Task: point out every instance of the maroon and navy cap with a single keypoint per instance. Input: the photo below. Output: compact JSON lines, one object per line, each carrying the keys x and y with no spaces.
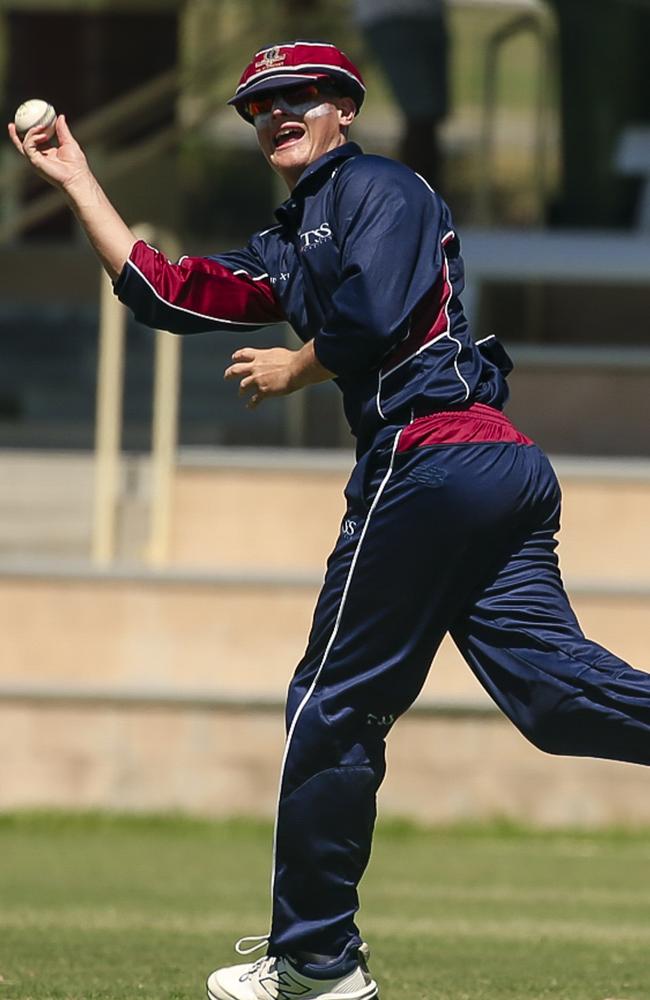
{"x":293,"y":63}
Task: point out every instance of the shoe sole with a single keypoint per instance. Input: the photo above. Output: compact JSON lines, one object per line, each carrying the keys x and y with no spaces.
{"x":370,"y":992}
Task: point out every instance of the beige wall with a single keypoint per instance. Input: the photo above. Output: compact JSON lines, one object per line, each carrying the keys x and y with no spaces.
{"x":237,"y":517}
{"x":202,"y":636}
{"x":193,"y":632}
{"x":225,"y":763}
{"x":125,"y":638}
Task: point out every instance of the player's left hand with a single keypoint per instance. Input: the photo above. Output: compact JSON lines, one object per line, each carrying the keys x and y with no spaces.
{"x":264,"y":373}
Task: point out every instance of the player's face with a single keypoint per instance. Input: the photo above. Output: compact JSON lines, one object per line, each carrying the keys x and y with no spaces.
{"x":296,"y":126}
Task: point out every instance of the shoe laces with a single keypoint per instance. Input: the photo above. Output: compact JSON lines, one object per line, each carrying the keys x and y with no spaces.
{"x":246,"y":946}
{"x":253,"y":942}
{"x":243,"y":948}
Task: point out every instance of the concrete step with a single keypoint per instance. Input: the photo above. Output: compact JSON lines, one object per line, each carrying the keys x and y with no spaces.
{"x":45,"y":504}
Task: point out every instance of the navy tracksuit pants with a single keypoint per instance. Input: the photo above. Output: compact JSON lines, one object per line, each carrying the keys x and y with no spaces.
{"x":456,"y":537}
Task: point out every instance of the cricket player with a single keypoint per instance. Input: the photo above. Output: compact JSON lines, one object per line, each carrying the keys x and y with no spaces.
{"x":451,"y":512}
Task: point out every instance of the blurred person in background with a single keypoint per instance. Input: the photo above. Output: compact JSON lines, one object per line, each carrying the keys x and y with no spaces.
{"x":409,"y":40}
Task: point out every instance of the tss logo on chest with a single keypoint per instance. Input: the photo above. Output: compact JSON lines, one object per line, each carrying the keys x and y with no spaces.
{"x":313,"y":237}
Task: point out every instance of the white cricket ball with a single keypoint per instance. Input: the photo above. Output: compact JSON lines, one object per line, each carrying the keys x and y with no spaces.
{"x":35,"y":112}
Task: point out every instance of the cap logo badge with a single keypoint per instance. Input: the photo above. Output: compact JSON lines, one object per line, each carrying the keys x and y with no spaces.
{"x":273,"y":57}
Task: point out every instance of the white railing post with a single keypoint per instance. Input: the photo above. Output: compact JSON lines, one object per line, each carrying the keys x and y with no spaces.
{"x":164,"y":442}
{"x":164,"y":424}
{"x":110,"y":385}
{"x":108,"y":426}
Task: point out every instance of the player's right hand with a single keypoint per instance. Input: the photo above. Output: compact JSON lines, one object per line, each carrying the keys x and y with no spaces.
{"x":59,"y":165}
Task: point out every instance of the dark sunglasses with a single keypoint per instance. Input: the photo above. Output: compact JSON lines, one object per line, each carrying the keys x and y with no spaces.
{"x":292,"y":97}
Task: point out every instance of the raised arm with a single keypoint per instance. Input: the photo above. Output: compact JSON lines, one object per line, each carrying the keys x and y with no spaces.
{"x":65,"y":167}
{"x":198,"y":294}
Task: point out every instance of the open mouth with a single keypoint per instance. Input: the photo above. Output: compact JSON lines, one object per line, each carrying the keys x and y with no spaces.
{"x":287,"y":136}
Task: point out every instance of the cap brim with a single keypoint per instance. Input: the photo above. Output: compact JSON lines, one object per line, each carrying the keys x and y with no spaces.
{"x":275,"y":82}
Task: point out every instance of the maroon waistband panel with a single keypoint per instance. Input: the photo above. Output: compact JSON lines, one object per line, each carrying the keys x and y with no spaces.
{"x":477,"y":423}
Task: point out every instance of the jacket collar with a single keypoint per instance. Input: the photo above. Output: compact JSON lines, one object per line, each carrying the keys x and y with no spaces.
{"x":320,"y":168}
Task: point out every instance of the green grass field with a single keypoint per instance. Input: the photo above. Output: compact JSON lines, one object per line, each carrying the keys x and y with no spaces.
{"x":101,"y":907}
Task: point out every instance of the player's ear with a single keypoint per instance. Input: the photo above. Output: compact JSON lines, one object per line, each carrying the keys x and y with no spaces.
{"x":347,"y":109}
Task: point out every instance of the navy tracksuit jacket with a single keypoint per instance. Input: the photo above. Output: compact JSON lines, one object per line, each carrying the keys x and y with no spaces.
{"x":450,"y":524}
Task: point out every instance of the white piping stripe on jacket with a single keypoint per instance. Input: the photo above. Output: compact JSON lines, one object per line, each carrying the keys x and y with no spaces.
{"x":424,"y":181}
{"x":445,"y":239}
{"x":421,"y":348}
{"x":269,"y":230}
{"x":379,"y":373}
{"x":332,"y":639}
{"x":191,"y":312}
{"x":378,"y":399}
{"x":249,"y":275}
{"x":455,"y":339}
{"x":445,"y":333}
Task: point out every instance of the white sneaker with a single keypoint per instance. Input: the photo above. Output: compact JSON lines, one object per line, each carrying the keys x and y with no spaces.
{"x":273,"y":978}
